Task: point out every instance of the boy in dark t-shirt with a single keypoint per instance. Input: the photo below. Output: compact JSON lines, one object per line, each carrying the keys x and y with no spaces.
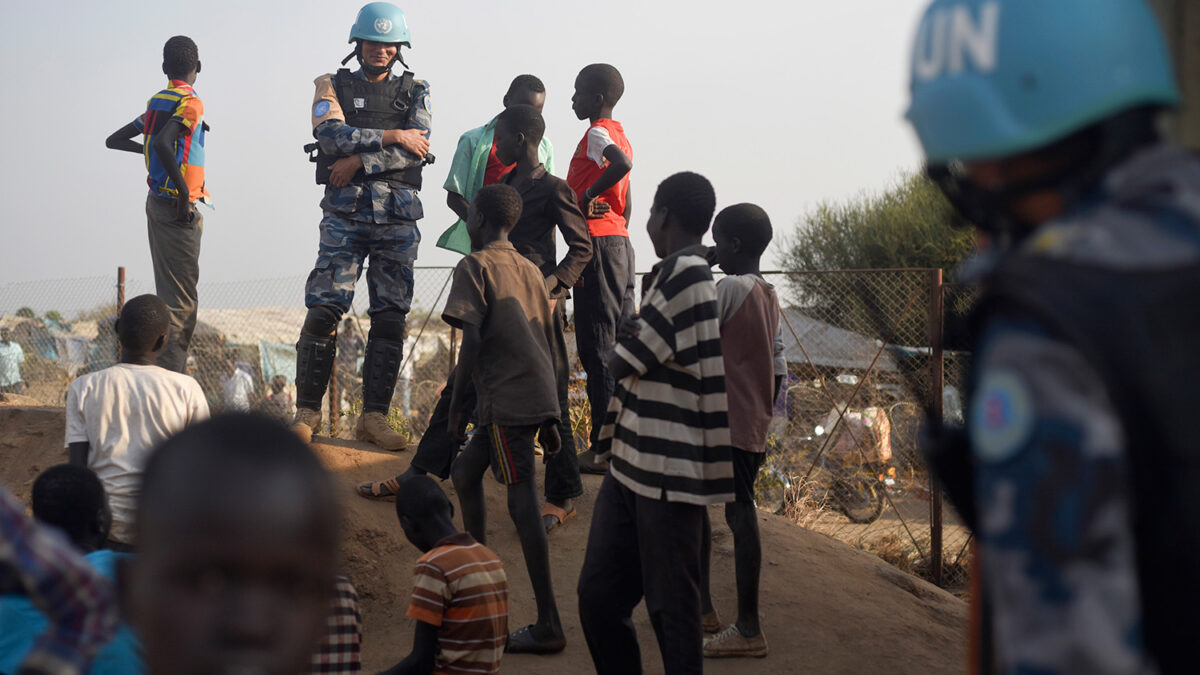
{"x":499,"y":301}
{"x":547,"y":204}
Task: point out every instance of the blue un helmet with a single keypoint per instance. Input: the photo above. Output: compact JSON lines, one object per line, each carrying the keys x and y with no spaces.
{"x":994,"y":78}
{"x":380,"y":22}
{"x":997,"y":78}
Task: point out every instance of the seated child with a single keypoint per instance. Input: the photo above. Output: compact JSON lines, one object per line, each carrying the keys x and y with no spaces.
{"x":460,"y":592}
{"x":237,"y":529}
{"x":117,"y":415}
{"x":71,"y":499}
{"x":498,"y":299}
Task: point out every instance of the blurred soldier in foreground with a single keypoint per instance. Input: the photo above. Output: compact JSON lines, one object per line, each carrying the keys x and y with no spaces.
{"x":1078,"y":464}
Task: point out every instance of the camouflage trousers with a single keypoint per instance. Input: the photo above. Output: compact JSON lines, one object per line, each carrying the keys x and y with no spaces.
{"x":345,"y":244}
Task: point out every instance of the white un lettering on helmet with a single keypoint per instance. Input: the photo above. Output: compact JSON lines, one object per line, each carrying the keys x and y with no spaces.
{"x":949,"y":37}
{"x":383,"y":25}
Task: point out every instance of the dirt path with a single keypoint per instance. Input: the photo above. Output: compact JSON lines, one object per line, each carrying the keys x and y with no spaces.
{"x":826,"y":607}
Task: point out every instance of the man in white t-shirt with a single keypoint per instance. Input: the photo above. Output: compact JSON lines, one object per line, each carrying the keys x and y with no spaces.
{"x":116,"y":416}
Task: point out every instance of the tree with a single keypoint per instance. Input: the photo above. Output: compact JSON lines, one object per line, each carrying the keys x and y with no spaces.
{"x":26,"y":313}
{"x":910,"y":224}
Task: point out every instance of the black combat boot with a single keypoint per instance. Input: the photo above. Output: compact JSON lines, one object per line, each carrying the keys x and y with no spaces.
{"x":314,"y":363}
{"x":380,"y":367}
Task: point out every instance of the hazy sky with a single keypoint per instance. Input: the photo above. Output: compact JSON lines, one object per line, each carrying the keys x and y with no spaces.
{"x":780,"y":103}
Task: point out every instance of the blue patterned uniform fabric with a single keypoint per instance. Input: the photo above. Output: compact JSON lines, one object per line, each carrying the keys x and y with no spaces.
{"x":1052,"y":470}
{"x":368,"y":218}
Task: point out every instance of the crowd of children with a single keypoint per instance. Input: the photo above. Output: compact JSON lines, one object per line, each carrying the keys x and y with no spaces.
{"x":221,"y":535}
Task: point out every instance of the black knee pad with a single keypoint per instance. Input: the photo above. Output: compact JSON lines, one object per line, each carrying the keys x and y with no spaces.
{"x":388,"y":326}
{"x":321,"y":321}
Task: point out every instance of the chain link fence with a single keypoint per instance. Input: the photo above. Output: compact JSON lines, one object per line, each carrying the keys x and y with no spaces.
{"x":864,"y":366}
{"x":867,"y":362}
{"x":243,"y":349}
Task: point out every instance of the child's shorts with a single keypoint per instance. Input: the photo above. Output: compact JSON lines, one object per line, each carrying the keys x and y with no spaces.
{"x":745,"y":473}
{"x":511,"y":452}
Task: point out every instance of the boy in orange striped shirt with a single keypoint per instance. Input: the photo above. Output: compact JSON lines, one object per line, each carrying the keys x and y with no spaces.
{"x":460,"y":592}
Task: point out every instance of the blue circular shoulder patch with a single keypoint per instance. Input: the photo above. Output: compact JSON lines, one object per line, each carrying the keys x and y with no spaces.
{"x":1002,"y":416}
{"x":321,"y":109}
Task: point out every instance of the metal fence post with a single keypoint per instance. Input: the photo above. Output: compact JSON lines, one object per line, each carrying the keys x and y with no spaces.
{"x":120,"y":288}
{"x":334,"y":400}
{"x":937,"y":381}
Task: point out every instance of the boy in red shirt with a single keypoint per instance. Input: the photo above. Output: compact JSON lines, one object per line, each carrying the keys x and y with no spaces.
{"x":599,"y":175}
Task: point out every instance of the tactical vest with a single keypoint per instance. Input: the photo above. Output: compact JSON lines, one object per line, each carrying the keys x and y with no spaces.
{"x":1140,"y":330}
{"x":373,"y":105}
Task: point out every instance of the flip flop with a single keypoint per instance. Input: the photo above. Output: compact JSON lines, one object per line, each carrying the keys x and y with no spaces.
{"x":521,"y":641}
{"x":554,"y":515}
{"x":589,"y":463}
{"x":383,"y":490}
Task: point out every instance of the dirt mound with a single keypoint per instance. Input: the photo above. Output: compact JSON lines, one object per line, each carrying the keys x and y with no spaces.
{"x":19,"y":400}
{"x":826,"y":608}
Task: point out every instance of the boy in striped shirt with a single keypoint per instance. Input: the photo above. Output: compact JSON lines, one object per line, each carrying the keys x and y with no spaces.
{"x":666,"y":437}
{"x":460,"y":592}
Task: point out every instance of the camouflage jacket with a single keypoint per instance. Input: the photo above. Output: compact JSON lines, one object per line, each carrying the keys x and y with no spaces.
{"x":1052,"y":474}
{"x":369,"y":200}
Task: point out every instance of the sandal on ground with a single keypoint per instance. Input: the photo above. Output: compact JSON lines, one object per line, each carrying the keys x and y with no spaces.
{"x":554,"y":515}
{"x":522,"y":641}
{"x":382,"y":490}
{"x":589,"y":463}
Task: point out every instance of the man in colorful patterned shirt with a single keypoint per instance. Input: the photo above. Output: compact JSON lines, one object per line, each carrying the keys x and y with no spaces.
{"x":173,"y":128}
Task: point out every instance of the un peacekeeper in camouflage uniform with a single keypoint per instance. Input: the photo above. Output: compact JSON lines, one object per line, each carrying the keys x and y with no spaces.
{"x":1079,"y":464}
{"x":371,"y":208}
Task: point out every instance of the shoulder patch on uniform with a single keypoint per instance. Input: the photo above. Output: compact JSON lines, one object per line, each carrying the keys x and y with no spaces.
{"x":321,"y":109}
{"x":1001,"y":416}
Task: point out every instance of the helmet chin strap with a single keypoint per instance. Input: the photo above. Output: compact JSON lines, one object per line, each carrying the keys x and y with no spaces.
{"x":1106,"y":144}
{"x":369,"y":69}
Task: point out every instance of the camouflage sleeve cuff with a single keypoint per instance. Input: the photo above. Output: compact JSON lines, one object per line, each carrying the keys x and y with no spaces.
{"x":388,"y":159}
